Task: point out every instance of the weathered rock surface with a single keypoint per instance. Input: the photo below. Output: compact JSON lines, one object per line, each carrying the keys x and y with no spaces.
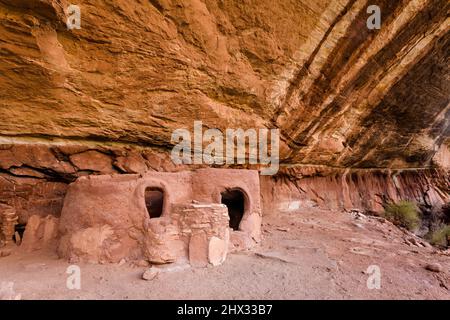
{"x":41,"y":233}
{"x":104,"y":99}
{"x":341,"y":94}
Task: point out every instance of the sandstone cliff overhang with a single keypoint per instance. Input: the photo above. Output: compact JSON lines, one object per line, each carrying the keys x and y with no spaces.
{"x":109,"y":218}
{"x":341,"y":94}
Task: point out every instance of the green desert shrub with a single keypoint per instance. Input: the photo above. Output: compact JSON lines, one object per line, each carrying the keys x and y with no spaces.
{"x":440,"y":237}
{"x":403,"y":213}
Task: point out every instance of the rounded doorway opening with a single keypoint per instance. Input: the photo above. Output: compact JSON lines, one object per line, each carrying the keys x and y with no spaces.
{"x":234,"y":199}
{"x":154,"y":201}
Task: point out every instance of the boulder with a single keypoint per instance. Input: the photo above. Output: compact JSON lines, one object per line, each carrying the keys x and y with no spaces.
{"x":40,"y":233}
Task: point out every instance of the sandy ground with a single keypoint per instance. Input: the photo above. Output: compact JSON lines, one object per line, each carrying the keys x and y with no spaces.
{"x":310,"y":254}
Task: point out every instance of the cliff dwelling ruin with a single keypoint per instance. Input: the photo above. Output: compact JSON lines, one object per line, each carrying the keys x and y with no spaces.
{"x":162,"y":217}
{"x":343,"y":161}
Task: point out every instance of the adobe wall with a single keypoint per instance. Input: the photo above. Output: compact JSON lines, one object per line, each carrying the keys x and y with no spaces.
{"x":209,"y":183}
{"x":34,"y":179}
{"x":105,"y":219}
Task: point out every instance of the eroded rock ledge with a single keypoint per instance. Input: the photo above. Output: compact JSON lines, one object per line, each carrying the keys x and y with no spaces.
{"x":364,"y":189}
{"x":34,"y":179}
{"x":341,"y":94}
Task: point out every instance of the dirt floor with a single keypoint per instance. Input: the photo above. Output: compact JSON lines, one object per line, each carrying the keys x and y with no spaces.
{"x":310,"y":254}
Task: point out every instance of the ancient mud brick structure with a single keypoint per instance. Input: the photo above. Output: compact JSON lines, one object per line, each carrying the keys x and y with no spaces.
{"x":8,"y":222}
{"x":158,"y":216}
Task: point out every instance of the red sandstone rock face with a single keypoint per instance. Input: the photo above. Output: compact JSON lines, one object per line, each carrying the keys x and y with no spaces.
{"x":41,"y":191}
{"x":34,"y":178}
{"x":105,"y":99}
{"x":297,"y":188}
{"x":442,"y":157}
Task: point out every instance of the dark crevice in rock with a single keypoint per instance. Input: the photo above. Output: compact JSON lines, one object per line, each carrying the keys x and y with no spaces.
{"x":7,"y":172}
{"x":107,"y":141}
{"x":157,"y":5}
{"x":47,"y":174}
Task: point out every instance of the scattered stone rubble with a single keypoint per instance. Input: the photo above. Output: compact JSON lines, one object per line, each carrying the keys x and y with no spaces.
{"x":113,"y":219}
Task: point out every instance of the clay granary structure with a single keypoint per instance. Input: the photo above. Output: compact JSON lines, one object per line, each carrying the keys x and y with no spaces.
{"x":158,"y":217}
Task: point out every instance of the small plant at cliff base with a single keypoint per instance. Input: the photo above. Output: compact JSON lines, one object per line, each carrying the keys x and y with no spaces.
{"x":441,"y":237}
{"x":403,"y":213}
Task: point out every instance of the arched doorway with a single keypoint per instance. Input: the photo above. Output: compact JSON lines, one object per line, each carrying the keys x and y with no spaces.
{"x":234,"y":199}
{"x":154,"y":201}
